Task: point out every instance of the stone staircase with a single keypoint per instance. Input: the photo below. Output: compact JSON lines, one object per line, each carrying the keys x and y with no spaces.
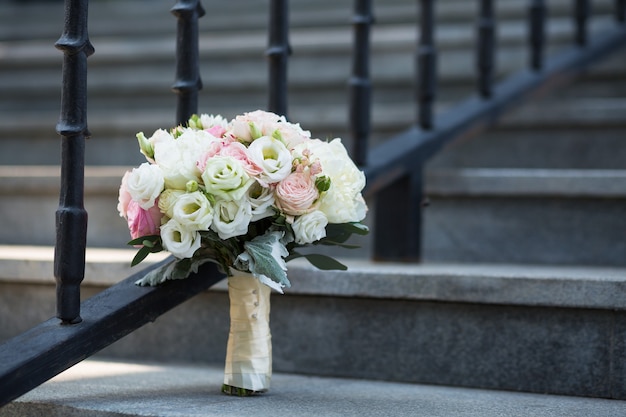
{"x":523,"y":288}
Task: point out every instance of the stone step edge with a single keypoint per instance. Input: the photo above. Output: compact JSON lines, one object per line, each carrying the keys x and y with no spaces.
{"x":399,"y":36}
{"x":97,"y":387}
{"x":520,"y":182}
{"x":528,"y":285}
{"x":574,"y":183}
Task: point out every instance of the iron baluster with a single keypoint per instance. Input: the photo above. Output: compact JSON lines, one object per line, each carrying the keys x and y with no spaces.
{"x":486,"y":48}
{"x":620,"y":10}
{"x":360,"y":86}
{"x":278,"y":53}
{"x":71,"y":216}
{"x":399,"y":219}
{"x":188,"y":81}
{"x":581,"y":13}
{"x":426,"y":57}
{"x":537,"y":17}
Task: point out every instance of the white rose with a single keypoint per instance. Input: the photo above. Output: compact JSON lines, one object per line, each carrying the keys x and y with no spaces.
{"x":310,"y":227}
{"x":262,"y":200}
{"x":231,"y":218}
{"x":178,"y":240}
{"x":193,"y":211}
{"x":343,"y":202}
{"x":178,"y":157}
{"x":272,"y":157}
{"x":225,"y":177}
{"x":144,"y":184}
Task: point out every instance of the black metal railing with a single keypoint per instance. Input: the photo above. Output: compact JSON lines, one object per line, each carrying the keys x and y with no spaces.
{"x":48,"y":349}
{"x":188,"y":82}
{"x":394,"y":169}
{"x":360,"y":86}
{"x":71,"y":216}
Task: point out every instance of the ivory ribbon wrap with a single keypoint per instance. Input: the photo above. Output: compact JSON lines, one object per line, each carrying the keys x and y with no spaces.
{"x":249,"y":348}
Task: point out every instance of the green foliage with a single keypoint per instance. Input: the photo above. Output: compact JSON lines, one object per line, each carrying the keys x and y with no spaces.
{"x":149,"y":244}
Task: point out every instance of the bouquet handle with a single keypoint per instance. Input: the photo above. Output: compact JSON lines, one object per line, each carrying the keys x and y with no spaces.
{"x":248,"y":368}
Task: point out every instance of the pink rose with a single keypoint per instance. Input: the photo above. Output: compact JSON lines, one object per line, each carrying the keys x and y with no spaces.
{"x":239,"y":152}
{"x":217,"y":131}
{"x":143,"y":222}
{"x":252,"y":125}
{"x":297,"y":194}
{"x":124,"y":197}
{"x":214,"y":149}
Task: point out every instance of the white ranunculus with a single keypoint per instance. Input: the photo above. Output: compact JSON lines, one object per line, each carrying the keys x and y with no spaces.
{"x":343,"y":202}
{"x":225,"y":177}
{"x":144,"y":184}
{"x":193,"y":211}
{"x":178,"y":157}
{"x":178,"y":240}
{"x":310,"y":227}
{"x":262,"y":200}
{"x":231,"y":218}
{"x":272,"y":157}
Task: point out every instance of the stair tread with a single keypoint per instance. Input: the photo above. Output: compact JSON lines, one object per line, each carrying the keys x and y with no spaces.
{"x":527,"y":182}
{"x":531,"y":285}
{"x":101,"y":387}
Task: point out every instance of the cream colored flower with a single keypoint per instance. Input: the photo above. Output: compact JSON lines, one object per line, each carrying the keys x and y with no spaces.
{"x":193,"y":211}
{"x":178,"y":240}
{"x":272,"y":157}
{"x":144,"y":184}
{"x":310,"y":227}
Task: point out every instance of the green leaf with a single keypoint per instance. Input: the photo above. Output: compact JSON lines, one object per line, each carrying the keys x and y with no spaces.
{"x":338,"y":233}
{"x":149,"y":244}
{"x":328,"y":242}
{"x":322,"y":183}
{"x":323,"y":262}
{"x":264,"y":255}
{"x":140,"y":255}
{"x":177,"y":269}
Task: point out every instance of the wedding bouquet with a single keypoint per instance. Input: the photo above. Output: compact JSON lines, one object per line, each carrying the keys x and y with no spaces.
{"x":245,"y":194}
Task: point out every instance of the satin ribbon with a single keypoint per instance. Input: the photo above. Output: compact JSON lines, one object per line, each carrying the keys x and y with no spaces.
{"x":249,"y":348}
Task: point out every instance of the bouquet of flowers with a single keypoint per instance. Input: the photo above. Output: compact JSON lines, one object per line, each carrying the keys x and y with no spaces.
{"x":245,"y":194}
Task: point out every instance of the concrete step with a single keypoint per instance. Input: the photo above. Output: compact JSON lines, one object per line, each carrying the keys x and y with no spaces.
{"x":526,"y":215}
{"x":540,"y":329}
{"x":97,"y":388}
{"x":130,"y":76}
{"x":127,"y":98}
{"x":119,"y":17}
{"x":563,"y":216}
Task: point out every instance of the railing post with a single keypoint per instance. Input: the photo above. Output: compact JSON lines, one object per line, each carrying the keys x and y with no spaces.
{"x":188,"y":81}
{"x":399,"y":219}
{"x":536,"y":36}
{"x":360,"y":86}
{"x":485,"y":61}
{"x":582,"y":11}
{"x":278,"y":54}
{"x":620,"y":10}
{"x":426,"y":57}
{"x":71,"y":216}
